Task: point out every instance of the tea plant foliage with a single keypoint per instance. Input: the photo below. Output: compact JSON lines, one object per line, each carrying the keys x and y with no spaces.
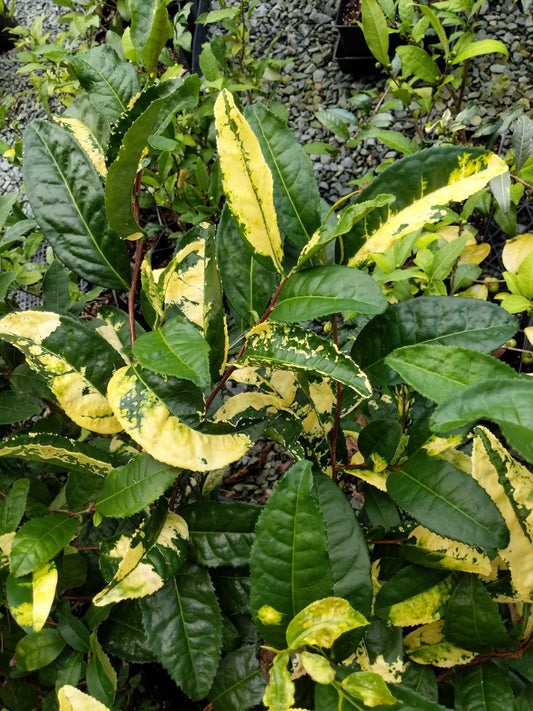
{"x":116,"y":545}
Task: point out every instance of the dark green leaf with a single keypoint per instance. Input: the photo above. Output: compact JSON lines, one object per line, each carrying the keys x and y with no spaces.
{"x":447,"y":501}
{"x":82,"y":488}
{"x":322,"y":291}
{"x":67,"y":199}
{"x":74,"y":632}
{"x":177,"y":349}
{"x":296,"y":195}
{"x":215,"y":326}
{"x":38,"y":649}
{"x":56,"y":286}
{"x":184,"y":629}
{"x":110,"y":82}
{"x":378,"y":442}
{"x":123,"y":635}
{"x":289,"y":564}
{"x":99,"y":685}
{"x":444,"y":320}
{"x":508,"y":402}
{"x":239,"y":683}
{"x":39,"y":540}
{"x":14,"y":407}
{"x":221,"y":533}
{"x":6,"y":279}
{"x":440,"y":372}
{"x":483,"y":687}
{"x":13,"y":506}
{"x":472,"y":618}
{"x":134,"y":486}
{"x":422,"y":680}
{"x":233,"y":589}
{"x":381,"y":511}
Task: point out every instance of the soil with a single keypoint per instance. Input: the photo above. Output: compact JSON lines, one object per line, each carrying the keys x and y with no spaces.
{"x":351,"y":12}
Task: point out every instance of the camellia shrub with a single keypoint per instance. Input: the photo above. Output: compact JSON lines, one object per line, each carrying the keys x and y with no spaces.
{"x":117,"y":548}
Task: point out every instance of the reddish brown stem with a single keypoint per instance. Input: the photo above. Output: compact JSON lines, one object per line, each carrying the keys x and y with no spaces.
{"x":229,"y":372}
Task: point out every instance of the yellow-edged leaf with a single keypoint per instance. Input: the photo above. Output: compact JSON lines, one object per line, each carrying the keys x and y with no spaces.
{"x":148,"y":421}
{"x":86,"y":140}
{"x":248,"y":183}
{"x":471,"y":176}
{"x":516,"y":250}
{"x":514,"y":503}
{"x":422,"y":608}
{"x":446,"y":553}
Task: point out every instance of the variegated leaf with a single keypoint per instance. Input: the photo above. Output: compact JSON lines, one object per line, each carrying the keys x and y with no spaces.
{"x":428,"y":548}
{"x":149,"y":422}
{"x":248,"y":183}
{"x":427,"y":645}
{"x":75,"y":361}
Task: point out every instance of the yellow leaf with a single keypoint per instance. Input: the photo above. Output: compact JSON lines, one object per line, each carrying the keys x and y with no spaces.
{"x":516,"y":250}
{"x":474,"y":254}
{"x":44,"y":589}
{"x":147,"y":420}
{"x":422,"y":608}
{"x":247,"y":182}
{"x":447,"y":553}
{"x":86,"y":140}
{"x":72,"y":699}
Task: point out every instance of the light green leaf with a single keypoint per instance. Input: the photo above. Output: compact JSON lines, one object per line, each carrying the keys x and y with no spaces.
{"x":417,"y":61}
{"x":184,"y":624}
{"x":150,"y":30}
{"x":369,"y":688}
{"x":38,"y":649}
{"x":439,"y":372}
{"x":322,"y":291}
{"x":177,"y":349}
{"x":322,"y":622}
{"x":72,"y":699}
{"x":56,"y":450}
{"x":375,"y":30}
{"x":39,"y":540}
{"x":248,"y":183}
{"x":289,"y":563}
{"x":507,"y":402}
{"x":317,"y":666}
{"x":134,"y":486}
{"x":149,"y":422}
{"x":295,"y":348}
{"x":279,"y":694}
{"x":475,"y":49}
{"x":447,"y":501}
{"x":393,"y":139}
{"x":67,"y":198}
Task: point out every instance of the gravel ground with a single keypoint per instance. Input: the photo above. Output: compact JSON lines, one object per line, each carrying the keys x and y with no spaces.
{"x":313,"y":80}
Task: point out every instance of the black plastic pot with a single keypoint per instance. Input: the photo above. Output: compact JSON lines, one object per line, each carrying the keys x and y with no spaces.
{"x":7,"y":40}
{"x":199,"y":32}
{"x":362,"y":64}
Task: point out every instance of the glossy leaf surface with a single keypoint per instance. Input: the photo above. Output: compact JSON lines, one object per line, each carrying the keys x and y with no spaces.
{"x":239,"y":683}
{"x":447,"y":501}
{"x":67,"y":198}
{"x":185,"y":629}
{"x":440,"y":320}
{"x":39,"y":540}
{"x":322,"y":622}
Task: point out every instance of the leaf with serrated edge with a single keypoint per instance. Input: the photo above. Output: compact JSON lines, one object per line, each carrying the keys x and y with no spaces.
{"x":146,"y":419}
{"x":72,"y":699}
{"x":322,"y":622}
{"x":39,"y":540}
{"x":295,"y":348}
{"x":248,"y":183}
{"x":137,"y":575}
{"x":182,"y":282}
{"x":128,"y":489}
{"x":438,"y":372}
{"x":185,"y":629}
{"x":239,"y":683}
{"x":427,"y":645}
{"x":493,"y":467}
{"x":38,"y":649}
{"x":81,"y":400}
